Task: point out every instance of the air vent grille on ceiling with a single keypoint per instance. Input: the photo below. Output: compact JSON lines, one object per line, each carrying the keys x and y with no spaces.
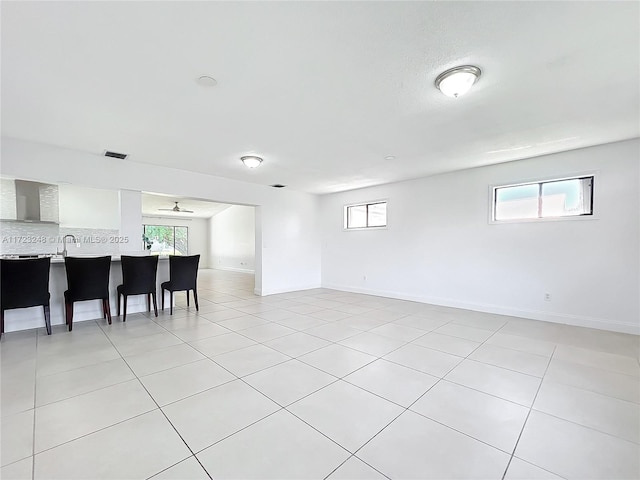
{"x":121,"y":156}
{"x":277,"y":185}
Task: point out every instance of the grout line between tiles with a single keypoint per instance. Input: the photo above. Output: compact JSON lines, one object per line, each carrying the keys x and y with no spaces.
{"x":527,"y":419}
{"x":357,"y":459}
{"x":35,"y":392}
{"x":163,"y":413}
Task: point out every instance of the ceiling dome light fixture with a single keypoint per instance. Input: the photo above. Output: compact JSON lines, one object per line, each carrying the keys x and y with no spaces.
{"x":251,"y":161}
{"x":457,"y":81}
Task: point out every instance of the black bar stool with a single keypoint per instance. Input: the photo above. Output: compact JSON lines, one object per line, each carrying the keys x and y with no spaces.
{"x":87,"y":279}
{"x":138,"y":278}
{"x":23,"y":284}
{"x":183,"y":275}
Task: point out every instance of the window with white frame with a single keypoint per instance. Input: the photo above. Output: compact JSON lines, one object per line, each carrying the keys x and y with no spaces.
{"x":166,"y":239}
{"x":365,"y":215}
{"x":566,"y":197}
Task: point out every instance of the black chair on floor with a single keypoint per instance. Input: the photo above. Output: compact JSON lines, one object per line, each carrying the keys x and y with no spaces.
{"x":23,"y":284}
{"x":87,"y":279}
{"x":183,"y":275}
{"x":138,"y":278}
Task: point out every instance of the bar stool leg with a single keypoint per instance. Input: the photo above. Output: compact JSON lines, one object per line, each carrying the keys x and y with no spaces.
{"x":170,"y":302}
{"x":47,"y":318}
{"x":69,"y":315}
{"x":195,"y":297}
{"x":155,"y":303}
{"x":107,"y":307}
{"x":187,"y":298}
{"x":124,"y":315}
{"x":1,"y":322}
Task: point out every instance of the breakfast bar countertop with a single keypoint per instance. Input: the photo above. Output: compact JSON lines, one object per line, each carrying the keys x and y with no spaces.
{"x":60,"y":259}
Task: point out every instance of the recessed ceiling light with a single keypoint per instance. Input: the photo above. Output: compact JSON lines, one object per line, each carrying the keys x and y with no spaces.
{"x":390,"y":157}
{"x":251,"y":161}
{"x":207,"y":81}
{"x":458,"y":80}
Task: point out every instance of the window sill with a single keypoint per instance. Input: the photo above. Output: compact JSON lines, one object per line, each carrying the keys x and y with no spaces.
{"x":576,"y":218}
{"x":364,"y":229}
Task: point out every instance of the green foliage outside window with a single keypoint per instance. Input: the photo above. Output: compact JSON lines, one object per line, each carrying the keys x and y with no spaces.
{"x":166,"y":239}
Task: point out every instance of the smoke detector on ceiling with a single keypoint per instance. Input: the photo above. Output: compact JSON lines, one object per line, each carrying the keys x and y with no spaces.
{"x":207,"y":81}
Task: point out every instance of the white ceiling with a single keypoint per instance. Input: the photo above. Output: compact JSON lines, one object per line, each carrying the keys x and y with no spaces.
{"x":322,"y":90}
{"x":152,"y":203}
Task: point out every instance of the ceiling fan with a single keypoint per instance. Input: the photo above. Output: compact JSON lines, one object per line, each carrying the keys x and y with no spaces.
{"x":176,"y":208}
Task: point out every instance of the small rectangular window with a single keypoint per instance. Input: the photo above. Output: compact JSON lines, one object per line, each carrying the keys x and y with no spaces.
{"x":569,"y":197}
{"x":366,"y":215}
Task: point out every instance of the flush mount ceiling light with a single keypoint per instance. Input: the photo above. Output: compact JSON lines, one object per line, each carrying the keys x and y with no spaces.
{"x":251,"y":161}
{"x":457,"y":81}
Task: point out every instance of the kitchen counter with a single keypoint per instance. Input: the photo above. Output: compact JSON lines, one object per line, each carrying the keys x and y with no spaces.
{"x":60,"y":258}
{"x":26,"y":318}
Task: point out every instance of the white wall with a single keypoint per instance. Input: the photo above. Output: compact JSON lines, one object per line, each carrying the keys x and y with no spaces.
{"x":232,"y":239}
{"x":440,"y":248}
{"x":198,"y":234}
{"x":82,"y":207}
{"x":131,"y":222}
{"x":289,"y":238}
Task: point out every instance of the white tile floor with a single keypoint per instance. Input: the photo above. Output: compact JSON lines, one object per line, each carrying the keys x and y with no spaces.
{"x":319,"y":384}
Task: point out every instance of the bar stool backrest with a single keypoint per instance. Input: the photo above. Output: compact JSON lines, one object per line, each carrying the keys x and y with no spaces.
{"x":87,"y":278}
{"x":183,"y":272}
{"x":139,"y":274}
{"x":24,"y":283}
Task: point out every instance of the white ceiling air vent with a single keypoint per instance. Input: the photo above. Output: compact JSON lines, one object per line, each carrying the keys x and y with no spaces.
{"x":121,"y":156}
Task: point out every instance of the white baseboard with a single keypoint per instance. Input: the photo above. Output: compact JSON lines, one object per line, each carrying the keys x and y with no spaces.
{"x":288,"y":290}
{"x":233,"y":269}
{"x":567,"y":319}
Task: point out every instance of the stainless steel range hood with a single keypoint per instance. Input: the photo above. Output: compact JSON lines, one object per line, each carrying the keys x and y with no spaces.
{"x":30,"y":202}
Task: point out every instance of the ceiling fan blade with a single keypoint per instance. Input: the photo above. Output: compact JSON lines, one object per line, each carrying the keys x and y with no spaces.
{"x":176,"y":209}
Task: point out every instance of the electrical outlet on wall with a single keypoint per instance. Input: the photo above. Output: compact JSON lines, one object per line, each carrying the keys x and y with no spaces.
{"x":547,"y":297}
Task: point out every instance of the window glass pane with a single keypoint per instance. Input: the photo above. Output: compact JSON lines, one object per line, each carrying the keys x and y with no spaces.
{"x":181,"y":241}
{"x":566,"y":197}
{"x":161,"y":238}
{"x":357,"y":216}
{"x":166,"y":239}
{"x":377,"y":215}
{"x":516,"y":202}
